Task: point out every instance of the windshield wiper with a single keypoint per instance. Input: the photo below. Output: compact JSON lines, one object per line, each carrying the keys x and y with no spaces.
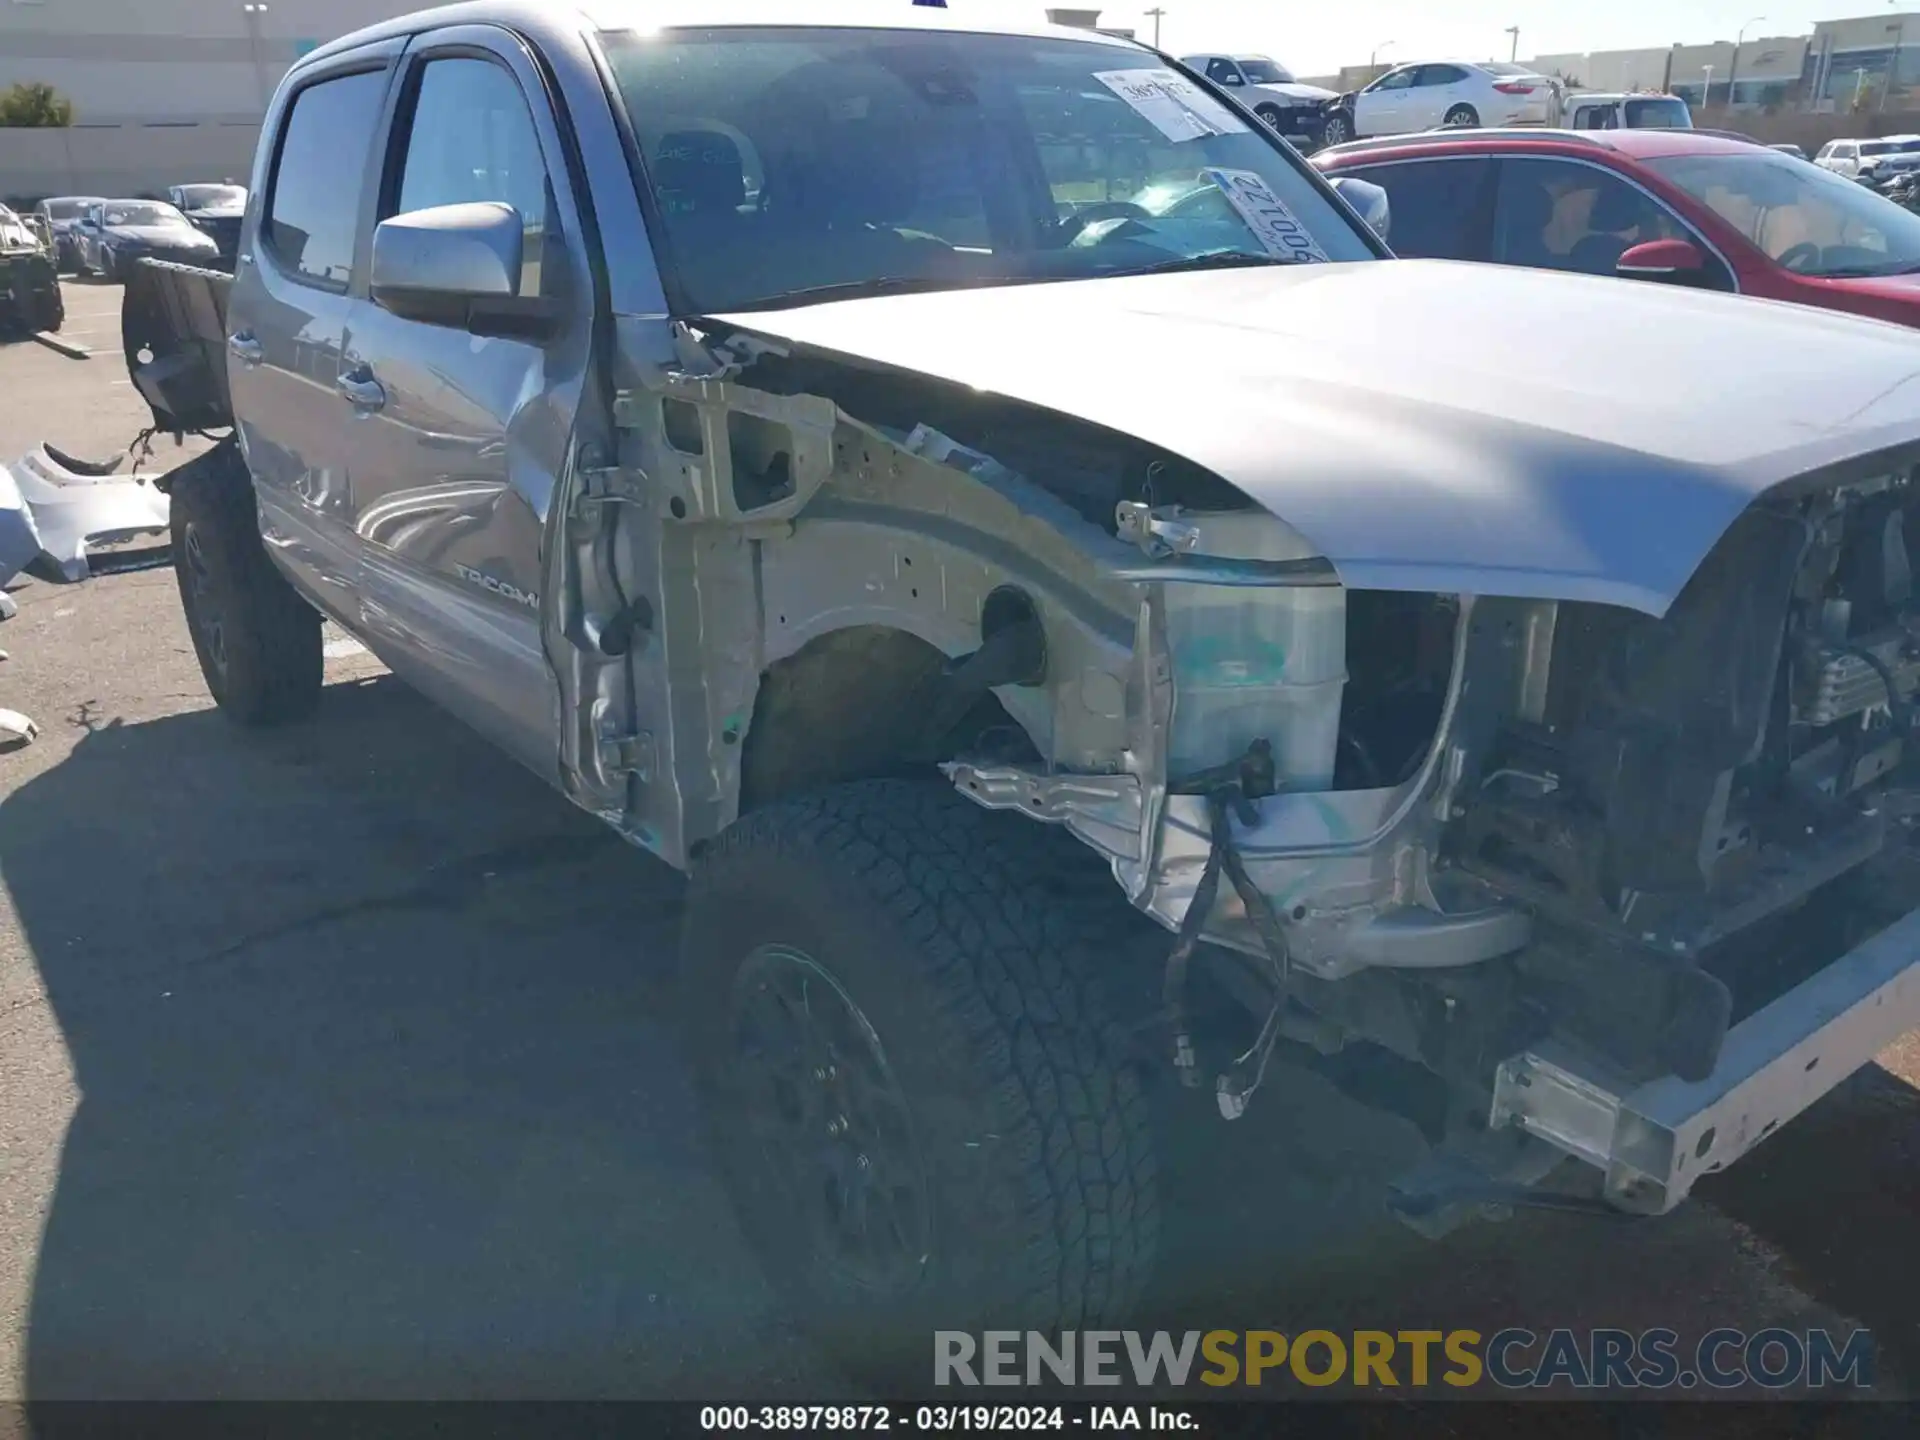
{"x":1213,"y":260}
{"x":879,"y":285}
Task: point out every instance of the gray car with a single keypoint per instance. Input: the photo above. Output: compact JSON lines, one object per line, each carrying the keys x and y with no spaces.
{"x":115,"y":234}
{"x":215,"y":211}
{"x":1071,"y":646}
{"x":62,"y":213}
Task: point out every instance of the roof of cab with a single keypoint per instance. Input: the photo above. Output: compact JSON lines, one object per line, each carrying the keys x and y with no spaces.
{"x":999,"y":18}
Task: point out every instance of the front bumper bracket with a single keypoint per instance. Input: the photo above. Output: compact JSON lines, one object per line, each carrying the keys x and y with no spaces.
{"x":1653,"y":1141}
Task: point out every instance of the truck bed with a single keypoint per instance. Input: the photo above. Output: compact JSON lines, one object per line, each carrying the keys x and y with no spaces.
{"x":173,"y":327}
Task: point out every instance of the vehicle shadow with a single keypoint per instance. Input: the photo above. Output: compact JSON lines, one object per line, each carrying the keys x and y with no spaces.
{"x":378,"y":1090}
{"x":379,"y":1096}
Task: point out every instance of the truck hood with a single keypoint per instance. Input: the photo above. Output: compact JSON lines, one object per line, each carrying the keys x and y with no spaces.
{"x":1394,"y":413}
{"x":1299,"y":94}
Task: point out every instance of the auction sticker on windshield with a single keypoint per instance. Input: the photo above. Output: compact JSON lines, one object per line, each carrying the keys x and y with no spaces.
{"x":1171,"y":103}
{"x":1266,"y":214}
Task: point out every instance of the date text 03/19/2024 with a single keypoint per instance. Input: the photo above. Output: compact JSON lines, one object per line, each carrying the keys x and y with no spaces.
{"x":943,"y":1419}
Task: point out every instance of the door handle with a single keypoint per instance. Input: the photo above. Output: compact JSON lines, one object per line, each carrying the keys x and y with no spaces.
{"x":245,"y":349}
{"x":363,"y":392}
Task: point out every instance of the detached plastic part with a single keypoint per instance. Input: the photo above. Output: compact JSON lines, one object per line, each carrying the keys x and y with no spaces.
{"x":53,"y":512}
{"x":16,"y":730}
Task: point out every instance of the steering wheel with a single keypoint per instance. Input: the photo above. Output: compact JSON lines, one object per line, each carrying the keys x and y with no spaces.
{"x":1794,"y":256}
{"x":1103,"y":210}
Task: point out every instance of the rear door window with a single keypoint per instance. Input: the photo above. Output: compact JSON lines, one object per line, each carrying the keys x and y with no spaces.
{"x":1439,"y":208}
{"x":313,"y":203}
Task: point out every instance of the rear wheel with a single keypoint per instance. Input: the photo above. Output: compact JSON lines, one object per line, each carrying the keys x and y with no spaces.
{"x":1462,"y":117}
{"x":924,"y":1114}
{"x":257,"y":641}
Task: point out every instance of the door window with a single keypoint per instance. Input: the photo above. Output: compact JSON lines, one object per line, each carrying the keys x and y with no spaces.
{"x":313,"y":203}
{"x":1440,"y":75}
{"x":471,"y":138}
{"x":1439,"y":207}
{"x":1224,"y":72}
{"x":1558,"y":215}
{"x":1398,"y":80}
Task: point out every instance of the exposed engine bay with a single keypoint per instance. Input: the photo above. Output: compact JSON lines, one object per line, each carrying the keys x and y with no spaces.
{"x":1518,"y":827}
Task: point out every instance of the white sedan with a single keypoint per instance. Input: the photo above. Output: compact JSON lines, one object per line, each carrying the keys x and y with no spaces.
{"x":1411,"y":98}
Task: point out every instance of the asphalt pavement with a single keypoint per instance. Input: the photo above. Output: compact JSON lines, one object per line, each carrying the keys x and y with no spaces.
{"x":339,"y":1062}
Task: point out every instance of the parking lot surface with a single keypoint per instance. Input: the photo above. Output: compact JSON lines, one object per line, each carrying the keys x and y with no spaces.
{"x":339,"y":1062}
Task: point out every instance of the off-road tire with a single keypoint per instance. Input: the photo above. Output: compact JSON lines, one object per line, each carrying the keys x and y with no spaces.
{"x":258,"y":642}
{"x":975,"y":964}
{"x":1461,"y":117}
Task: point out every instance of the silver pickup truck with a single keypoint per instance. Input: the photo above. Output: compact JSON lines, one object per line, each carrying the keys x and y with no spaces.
{"x":800,"y":442}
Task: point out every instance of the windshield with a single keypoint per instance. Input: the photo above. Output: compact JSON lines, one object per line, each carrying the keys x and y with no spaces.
{"x":1665,"y":113}
{"x":789,"y":162}
{"x":1809,"y":220}
{"x":206,"y":197}
{"x":143,"y":213}
{"x":1259,"y":70}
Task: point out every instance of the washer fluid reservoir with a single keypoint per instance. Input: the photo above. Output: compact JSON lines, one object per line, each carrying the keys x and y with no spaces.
{"x":1255,"y":662}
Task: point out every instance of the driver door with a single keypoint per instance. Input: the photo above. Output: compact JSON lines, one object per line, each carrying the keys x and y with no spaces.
{"x":1382,"y":108}
{"x":458,"y":441}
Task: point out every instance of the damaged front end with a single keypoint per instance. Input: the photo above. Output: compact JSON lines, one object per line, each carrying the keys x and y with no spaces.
{"x":1614,"y":879}
{"x":1550,"y":876}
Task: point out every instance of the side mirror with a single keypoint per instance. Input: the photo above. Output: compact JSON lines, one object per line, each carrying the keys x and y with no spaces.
{"x":1232,"y":80}
{"x":1675,"y":261}
{"x":1369,"y":200}
{"x":459,"y":266}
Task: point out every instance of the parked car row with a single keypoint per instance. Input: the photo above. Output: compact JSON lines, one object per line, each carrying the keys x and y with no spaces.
{"x":1419,"y":96}
{"x":1685,"y":207}
{"x":1877,"y":162}
{"x":196,"y":224}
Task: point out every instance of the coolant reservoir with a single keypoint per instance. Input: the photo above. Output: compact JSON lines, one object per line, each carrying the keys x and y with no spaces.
{"x":1256,"y":662}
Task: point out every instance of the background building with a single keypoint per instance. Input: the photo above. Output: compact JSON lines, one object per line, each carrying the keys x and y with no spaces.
{"x":162,"y":90}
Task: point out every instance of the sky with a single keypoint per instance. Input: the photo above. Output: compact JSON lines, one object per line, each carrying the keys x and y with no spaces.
{"x":1317,"y":39}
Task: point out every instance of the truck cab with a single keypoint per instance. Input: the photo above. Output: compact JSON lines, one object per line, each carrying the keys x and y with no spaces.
{"x":1634,"y":111}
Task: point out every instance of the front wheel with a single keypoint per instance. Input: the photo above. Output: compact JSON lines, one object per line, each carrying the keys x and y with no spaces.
{"x":923,"y":1112}
{"x":257,"y":641}
{"x":1462,"y":117}
{"x":1339,"y":129}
